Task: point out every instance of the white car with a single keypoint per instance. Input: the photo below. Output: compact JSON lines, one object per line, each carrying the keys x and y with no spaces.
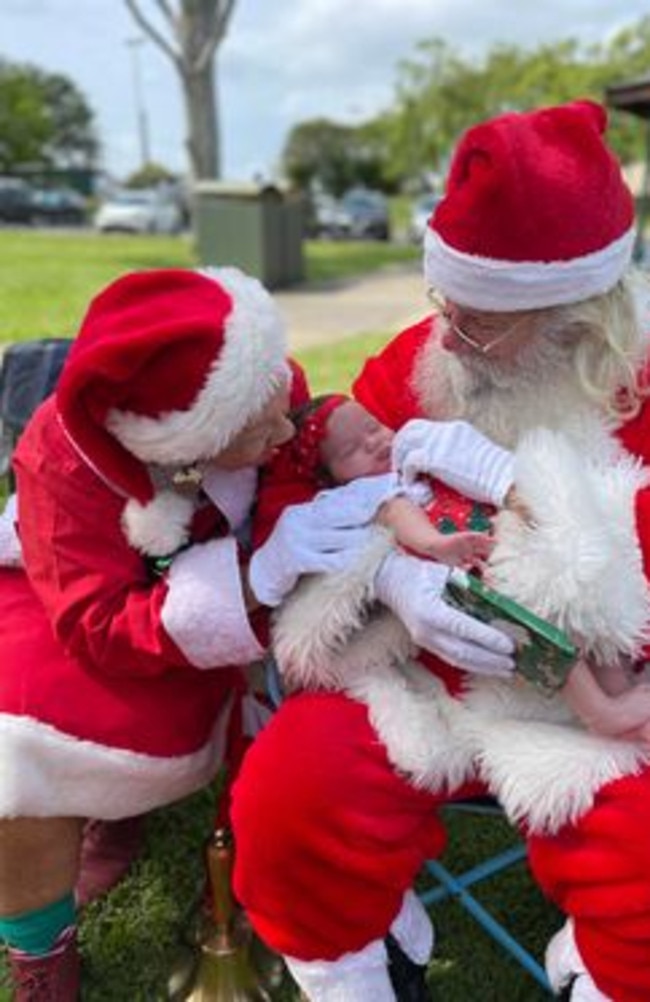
{"x":139,"y":210}
{"x":420,"y":215}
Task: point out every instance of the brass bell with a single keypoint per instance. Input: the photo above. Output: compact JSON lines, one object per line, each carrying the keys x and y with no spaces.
{"x":224,"y":972}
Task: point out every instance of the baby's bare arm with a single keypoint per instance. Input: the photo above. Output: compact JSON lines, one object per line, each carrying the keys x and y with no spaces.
{"x":413,"y":530}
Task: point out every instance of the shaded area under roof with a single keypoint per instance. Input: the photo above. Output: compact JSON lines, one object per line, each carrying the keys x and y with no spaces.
{"x":631,"y":95}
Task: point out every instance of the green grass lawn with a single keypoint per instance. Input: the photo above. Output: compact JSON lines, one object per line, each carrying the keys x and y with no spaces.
{"x":48,"y":278}
{"x":130,"y":939}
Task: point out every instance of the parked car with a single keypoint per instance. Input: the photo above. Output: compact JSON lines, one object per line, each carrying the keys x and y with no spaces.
{"x":420,"y":215}
{"x":368,"y":213}
{"x":139,"y":210}
{"x":58,"y":206}
{"x":15,"y":200}
{"x":327,"y":218}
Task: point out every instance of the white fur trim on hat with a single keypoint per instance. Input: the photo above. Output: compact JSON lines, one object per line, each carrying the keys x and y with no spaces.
{"x":487,"y":284}
{"x":249,"y":369}
{"x":204,"y":611}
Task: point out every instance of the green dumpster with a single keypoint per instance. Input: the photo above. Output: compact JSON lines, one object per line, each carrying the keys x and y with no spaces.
{"x":259,"y":228}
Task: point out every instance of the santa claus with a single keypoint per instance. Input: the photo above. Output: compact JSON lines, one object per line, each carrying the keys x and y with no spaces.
{"x":535,"y":361}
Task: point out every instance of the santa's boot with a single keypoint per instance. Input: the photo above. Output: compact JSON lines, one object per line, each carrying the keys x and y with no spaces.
{"x":48,"y":977}
{"x":108,"y":849}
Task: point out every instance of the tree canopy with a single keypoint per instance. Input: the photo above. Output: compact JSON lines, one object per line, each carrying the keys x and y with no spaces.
{"x":440,"y":92}
{"x":45,"y":120}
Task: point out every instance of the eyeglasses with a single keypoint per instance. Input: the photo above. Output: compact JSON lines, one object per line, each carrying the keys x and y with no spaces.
{"x":483,"y":347}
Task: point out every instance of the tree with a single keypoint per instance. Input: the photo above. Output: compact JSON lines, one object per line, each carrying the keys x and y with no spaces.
{"x":44,"y":120}
{"x":150,"y":175}
{"x":335,"y":157}
{"x":439,"y":94}
{"x":196,"y":29}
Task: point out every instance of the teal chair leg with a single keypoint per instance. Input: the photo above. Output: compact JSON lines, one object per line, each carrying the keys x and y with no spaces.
{"x":456,"y":886}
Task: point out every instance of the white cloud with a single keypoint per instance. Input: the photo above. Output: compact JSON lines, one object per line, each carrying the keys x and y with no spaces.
{"x":282,"y":61}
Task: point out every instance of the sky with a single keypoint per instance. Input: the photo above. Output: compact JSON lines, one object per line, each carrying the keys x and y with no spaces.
{"x":282,"y":62}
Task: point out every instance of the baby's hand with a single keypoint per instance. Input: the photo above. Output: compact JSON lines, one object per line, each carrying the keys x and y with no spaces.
{"x":462,"y":549}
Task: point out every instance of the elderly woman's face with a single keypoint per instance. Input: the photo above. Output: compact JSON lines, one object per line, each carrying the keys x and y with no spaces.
{"x":256,"y":442}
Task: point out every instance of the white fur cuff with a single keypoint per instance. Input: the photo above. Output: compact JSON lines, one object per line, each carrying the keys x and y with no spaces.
{"x":204,"y":612}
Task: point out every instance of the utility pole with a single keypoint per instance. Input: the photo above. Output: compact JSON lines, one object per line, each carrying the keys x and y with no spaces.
{"x":141,"y":112}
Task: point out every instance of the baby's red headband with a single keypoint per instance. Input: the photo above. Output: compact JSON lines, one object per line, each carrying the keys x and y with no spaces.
{"x":309,"y":436}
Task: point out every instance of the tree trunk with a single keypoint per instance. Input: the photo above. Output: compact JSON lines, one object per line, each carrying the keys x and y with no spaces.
{"x":203,"y":143}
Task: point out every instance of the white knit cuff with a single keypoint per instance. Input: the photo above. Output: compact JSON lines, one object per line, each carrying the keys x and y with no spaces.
{"x":354,"y":976}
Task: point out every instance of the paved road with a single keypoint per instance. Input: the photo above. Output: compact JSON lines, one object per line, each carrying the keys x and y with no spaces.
{"x":385,"y":301}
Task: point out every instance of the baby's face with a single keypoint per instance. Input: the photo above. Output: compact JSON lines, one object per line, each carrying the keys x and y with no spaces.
{"x":356,"y":444}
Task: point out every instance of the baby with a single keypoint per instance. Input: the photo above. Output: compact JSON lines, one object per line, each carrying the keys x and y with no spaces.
{"x":338,"y":441}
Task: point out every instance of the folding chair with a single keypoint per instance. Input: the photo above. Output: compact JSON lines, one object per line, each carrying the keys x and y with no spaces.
{"x":457,"y":886}
{"x":28,"y":374}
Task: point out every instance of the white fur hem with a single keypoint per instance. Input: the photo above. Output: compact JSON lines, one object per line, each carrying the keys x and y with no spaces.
{"x":419,"y":724}
{"x":204,"y":611}
{"x":315,"y":623}
{"x":543,"y":767}
{"x":46,"y":773}
{"x":489,"y":284}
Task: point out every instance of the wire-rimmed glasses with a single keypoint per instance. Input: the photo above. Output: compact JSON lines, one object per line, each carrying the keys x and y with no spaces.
{"x":483,"y":347}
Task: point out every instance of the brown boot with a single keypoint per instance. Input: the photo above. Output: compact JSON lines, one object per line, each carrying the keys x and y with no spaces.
{"x":108,"y":849}
{"x":50,"y":977}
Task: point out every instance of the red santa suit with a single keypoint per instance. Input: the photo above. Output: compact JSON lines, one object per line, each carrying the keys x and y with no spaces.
{"x":385,"y":736}
{"x":122,"y":678}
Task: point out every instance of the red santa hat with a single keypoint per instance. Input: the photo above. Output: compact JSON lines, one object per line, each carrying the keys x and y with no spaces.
{"x":167,"y":368}
{"x":536,"y":213}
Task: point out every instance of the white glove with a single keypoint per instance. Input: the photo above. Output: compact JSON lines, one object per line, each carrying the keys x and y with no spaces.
{"x":412,"y":588}
{"x":457,"y":454}
{"x":317,"y":537}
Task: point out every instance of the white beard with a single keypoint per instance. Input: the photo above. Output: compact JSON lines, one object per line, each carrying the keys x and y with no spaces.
{"x":505,"y":400}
